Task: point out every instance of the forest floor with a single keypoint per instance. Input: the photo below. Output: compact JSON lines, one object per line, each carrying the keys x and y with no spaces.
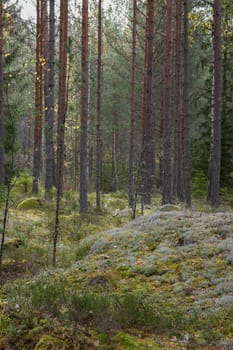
{"x":162,"y":281}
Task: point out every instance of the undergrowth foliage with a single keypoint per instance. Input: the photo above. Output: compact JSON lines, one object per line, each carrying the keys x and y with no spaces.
{"x":166,"y":274}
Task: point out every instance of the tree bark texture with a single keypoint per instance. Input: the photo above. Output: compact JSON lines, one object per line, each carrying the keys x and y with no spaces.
{"x":2,"y":168}
{"x":186,"y":141}
{"x":215,"y":165}
{"x":49,"y":103}
{"x":177,"y":161}
{"x":84,"y":112}
{"x":62,"y":105}
{"x":37,"y":155}
{"x":167,"y":132}
{"x":133,"y":107}
{"x":148,"y":160}
{"x":98,"y":114}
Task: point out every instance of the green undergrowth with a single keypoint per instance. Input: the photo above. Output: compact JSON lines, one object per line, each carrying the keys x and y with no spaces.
{"x":163,"y":281}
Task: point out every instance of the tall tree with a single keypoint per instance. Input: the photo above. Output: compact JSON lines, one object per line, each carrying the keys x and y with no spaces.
{"x":187,"y":155}
{"x":49,"y":104}
{"x":62,"y":107}
{"x":148,"y":161}
{"x":98,"y":114}
{"x":177,"y":108}
{"x":167,"y":173}
{"x":84,"y":112}
{"x":215,"y":161}
{"x":37,"y":156}
{"x":2,"y":172}
{"x":133,"y":107}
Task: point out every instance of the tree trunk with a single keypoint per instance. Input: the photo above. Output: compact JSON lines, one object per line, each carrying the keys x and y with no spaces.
{"x":167,"y":173}
{"x":2,"y":168}
{"x":133,"y":107}
{"x":84,"y":112}
{"x":215,"y":162}
{"x":62,"y":105}
{"x":148,"y":164}
{"x":186,"y":122}
{"x":49,"y":104}
{"x":37,"y":156}
{"x":177,"y":162}
{"x":98,"y":116}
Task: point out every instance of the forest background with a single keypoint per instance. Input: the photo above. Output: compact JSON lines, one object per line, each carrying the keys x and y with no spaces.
{"x":151,"y":104}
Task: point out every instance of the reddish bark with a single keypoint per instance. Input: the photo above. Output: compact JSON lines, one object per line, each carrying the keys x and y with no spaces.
{"x":167,"y":173}
{"x":84,"y":112}
{"x":37,"y":156}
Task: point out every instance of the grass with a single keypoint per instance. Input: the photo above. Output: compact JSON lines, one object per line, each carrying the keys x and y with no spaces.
{"x":131,"y":288}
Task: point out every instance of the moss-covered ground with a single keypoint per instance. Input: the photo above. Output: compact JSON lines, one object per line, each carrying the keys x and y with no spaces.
{"x":162,"y":281}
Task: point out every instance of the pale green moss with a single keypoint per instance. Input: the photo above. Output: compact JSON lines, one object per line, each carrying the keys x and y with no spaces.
{"x":32,"y":203}
{"x":129,"y":342}
{"x":47,"y":342}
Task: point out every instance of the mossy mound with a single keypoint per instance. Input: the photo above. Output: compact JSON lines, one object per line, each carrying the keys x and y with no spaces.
{"x":32,"y":203}
{"x":129,"y":342}
{"x":13,"y":243}
{"x":47,"y":342}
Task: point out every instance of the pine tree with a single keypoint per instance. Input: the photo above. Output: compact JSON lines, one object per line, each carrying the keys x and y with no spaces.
{"x":84,"y":112}
{"x":2,"y":171}
{"x":49,"y":104}
{"x":215,"y":161}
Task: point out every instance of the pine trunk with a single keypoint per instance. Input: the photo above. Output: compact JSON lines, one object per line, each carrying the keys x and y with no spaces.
{"x":62,"y":104}
{"x":215,"y":165}
{"x":2,"y":168}
{"x":49,"y":104}
{"x":148,"y":164}
{"x":133,"y":108}
{"x":98,"y":117}
{"x":186,"y":121}
{"x":167,"y":173}
{"x":84,"y":112}
{"x":37,"y":156}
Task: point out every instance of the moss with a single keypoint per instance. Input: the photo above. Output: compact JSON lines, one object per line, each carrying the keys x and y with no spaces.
{"x":32,"y":203}
{"x":129,"y":342}
{"x":13,"y":243}
{"x":47,"y":342}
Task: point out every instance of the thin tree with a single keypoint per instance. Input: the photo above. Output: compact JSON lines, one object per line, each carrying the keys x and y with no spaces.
{"x":167,"y":173}
{"x":84,"y":112}
{"x":98,"y":115}
{"x":215,"y":161}
{"x":49,"y":104}
{"x":37,"y":155}
{"x":62,"y":105}
{"x":148,"y":160}
{"x":177,"y":108}
{"x":187,"y":155}
{"x":2,"y":169}
{"x":133,"y":107}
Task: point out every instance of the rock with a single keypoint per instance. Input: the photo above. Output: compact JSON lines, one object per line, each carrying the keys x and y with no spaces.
{"x":225,"y":301}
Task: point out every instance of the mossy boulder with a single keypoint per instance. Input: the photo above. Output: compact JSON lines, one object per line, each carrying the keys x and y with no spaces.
{"x":47,"y":342}
{"x":32,"y":203}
